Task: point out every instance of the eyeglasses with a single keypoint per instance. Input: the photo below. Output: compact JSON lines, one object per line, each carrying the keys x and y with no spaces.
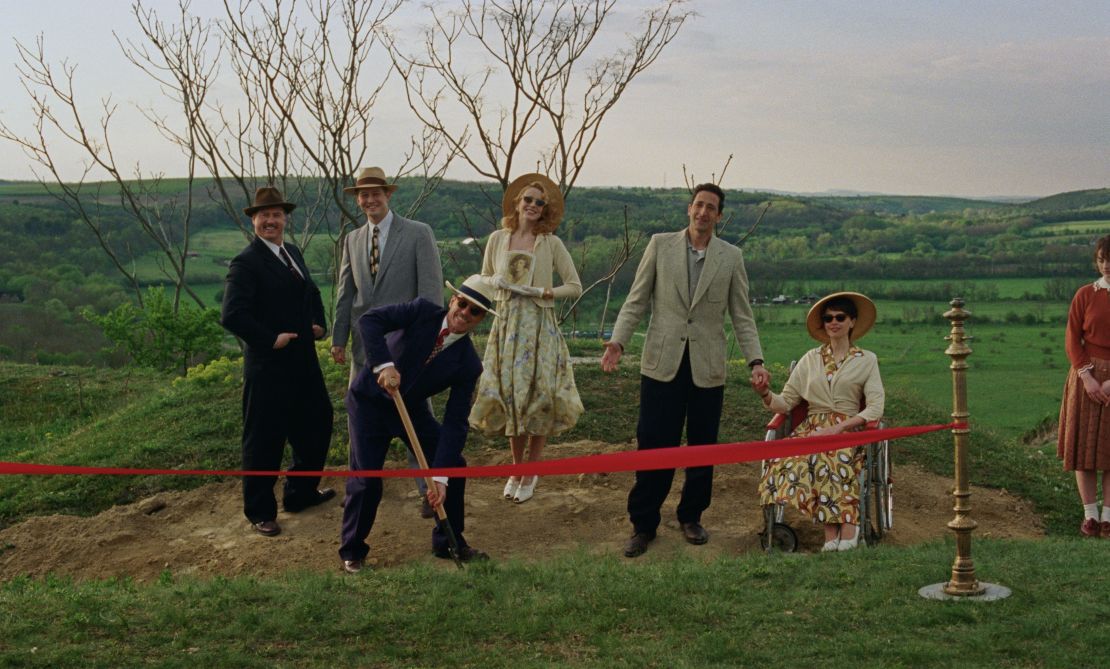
{"x":528,"y":199}
{"x":475,"y":310}
{"x":840,"y":318}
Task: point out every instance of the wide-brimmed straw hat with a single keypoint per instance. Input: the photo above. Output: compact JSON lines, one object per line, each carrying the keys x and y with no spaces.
{"x":266,"y":197}
{"x":865,"y":316}
{"x":370,"y":177}
{"x":553,"y":210}
{"x":477,"y":290}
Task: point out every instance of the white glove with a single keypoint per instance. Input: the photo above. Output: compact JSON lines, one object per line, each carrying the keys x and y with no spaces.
{"x":499,"y":281}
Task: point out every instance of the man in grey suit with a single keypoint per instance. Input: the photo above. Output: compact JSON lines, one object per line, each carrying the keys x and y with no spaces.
{"x":390,"y":260}
{"x":690,"y":279}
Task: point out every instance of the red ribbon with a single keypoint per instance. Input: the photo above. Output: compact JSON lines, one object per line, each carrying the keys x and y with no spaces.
{"x":624,"y":461}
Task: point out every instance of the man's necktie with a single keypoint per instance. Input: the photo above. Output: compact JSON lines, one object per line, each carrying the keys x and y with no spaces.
{"x":289,"y":262}
{"x":375,"y":253}
{"x":439,"y":345}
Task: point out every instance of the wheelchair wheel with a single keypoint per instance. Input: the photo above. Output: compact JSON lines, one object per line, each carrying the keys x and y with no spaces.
{"x":781,"y":538}
{"x":884,"y":508}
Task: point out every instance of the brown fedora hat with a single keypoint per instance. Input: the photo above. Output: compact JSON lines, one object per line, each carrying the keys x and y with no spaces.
{"x":266,"y":197}
{"x":865,"y":316}
{"x":370,"y":177}
{"x":552,"y":195}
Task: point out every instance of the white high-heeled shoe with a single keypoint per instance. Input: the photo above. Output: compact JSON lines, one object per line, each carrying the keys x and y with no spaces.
{"x":511,"y":486}
{"x":849,"y":544}
{"x":524,"y":492}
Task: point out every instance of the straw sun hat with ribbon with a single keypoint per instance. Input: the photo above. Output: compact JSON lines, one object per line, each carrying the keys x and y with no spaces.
{"x":865,"y":316}
{"x":553,"y":210}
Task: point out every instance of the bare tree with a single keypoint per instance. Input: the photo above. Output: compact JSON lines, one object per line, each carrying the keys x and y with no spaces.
{"x":299,"y":119}
{"x":537,"y":68}
{"x":541,"y":78}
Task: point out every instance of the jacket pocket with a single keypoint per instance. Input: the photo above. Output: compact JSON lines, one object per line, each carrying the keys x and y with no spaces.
{"x":653,"y":350}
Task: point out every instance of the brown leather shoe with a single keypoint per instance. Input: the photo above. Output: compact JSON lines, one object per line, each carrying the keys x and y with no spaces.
{"x":695,"y":533}
{"x":637,"y":544}
{"x":426,"y":510}
{"x":1104,"y":529}
{"x":267,"y":528}
{"x":1090,"y":528}
{"x":296,"y":504}
{"x":352,"y":566}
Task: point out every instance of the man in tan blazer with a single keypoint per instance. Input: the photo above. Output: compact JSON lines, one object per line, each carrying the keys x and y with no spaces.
{"x":390,"y":260}
{"x":691,"y":280}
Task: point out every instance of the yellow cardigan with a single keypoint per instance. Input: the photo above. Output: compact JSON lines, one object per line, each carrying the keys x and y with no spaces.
{"x":550,"y":256}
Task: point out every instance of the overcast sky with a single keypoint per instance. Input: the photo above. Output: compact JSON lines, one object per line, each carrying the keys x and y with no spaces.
{"x":974,"y":98}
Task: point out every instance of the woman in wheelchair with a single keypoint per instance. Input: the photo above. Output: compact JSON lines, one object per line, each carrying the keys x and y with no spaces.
{"x":841,"y":384}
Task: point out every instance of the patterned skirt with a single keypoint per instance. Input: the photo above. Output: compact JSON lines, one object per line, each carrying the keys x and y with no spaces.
{"x":1083,"y":442}
{"x":527,"y":384}
{"x":824,"y":486}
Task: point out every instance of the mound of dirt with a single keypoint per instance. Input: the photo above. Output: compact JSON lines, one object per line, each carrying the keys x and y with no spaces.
{"x":202,"y":532}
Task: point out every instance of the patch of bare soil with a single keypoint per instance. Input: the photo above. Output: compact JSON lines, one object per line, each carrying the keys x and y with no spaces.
{"x":203,"y":532}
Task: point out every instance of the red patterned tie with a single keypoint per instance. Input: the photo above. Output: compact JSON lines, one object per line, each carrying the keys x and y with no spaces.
{"x":439,"y":345}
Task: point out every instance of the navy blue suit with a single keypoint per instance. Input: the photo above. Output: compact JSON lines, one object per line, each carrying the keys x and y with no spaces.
{"x":405,"y":334}
{"x":284,"y":396}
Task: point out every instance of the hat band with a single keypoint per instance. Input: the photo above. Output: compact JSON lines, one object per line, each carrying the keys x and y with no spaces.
{"x":478,"y":298}
{"x":371,"y":181}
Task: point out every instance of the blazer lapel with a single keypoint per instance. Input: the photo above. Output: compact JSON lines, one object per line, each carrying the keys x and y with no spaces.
{"x":676,"y":267}
{"x":709,"y":269}
{"x":397,"y":232}
{"x":360,"y":256}
{"x":270,"y":261}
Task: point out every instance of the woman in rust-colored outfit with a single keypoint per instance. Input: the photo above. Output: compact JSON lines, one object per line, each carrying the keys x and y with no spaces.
{"x":1084,"y":440}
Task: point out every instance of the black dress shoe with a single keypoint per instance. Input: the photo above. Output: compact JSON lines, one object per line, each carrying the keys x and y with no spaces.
{"x":466,"y":554}
{"x":267,"y":528}
{"x":295,"y":504}
{"x":695,"y":533}
{"x":637,"y":544}
{"x":352,"y":566}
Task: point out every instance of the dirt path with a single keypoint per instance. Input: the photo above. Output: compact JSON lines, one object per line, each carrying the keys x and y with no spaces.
{"x":203,"y":532}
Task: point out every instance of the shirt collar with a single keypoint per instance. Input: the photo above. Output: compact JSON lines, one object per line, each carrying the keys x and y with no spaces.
{"x":383,"y":227}
{"x":1102,"y":283}
{"x":273,"y":247}
{"x":451,"y":337}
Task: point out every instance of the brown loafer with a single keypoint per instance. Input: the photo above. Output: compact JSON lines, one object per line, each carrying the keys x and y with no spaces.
{"x":352,"y":566}
{"x":695,"y":533}
{"x":267,"y":528}
{"x":1104,"y":529}
{"x":1090,"y":528}
{"x":637,"y":544}
{"x":296,"y":504}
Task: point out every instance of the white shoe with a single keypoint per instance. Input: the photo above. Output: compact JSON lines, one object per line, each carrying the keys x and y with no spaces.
{"x":847,"y":545}
{"x":524,"y":492}
{"x":511,"y":487}
{"x":831,"y":546}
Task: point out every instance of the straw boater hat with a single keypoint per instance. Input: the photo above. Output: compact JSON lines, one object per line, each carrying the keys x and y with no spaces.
{"x":553,"y":210}
{"x":268,"y":196}
{"x":477,"y":290}
{"x":865,"y":316}
{"x":370,"y":177}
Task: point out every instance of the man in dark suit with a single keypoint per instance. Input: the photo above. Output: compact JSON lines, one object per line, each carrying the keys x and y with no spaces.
{"x":272,"y":304}
{"x":417,"y":349}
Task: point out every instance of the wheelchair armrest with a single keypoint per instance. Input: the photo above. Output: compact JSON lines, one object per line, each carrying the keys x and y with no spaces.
{"x":873,"y":424}
{"x":776,"y":422}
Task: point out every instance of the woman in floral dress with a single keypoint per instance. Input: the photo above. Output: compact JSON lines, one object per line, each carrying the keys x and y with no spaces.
{"x":527,"y":389}
{"x":834,"y":378}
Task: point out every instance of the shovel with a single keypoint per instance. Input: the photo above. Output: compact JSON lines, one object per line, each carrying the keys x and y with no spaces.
{"x":441,"y":515}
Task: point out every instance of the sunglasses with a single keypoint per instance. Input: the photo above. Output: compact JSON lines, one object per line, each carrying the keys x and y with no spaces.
{"x":474,"y":309}
{"x":840,"y":318}
{"x":528,"y":199}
